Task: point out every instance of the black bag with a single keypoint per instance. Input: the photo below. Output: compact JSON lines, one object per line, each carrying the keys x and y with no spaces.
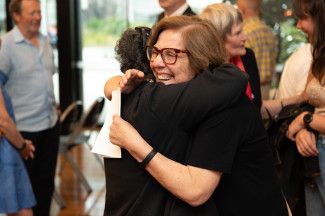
{"x":291,"y":167}
{"x":278,"y":126}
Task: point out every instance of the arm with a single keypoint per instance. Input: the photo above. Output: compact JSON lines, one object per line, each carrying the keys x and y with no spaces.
{"x":275,"y":106}
{"x":8,"y":129}
{"x":127,"y":83}
{"x":111,"y":85}
{"x":318,"y":124}
{"x":175,"y":177}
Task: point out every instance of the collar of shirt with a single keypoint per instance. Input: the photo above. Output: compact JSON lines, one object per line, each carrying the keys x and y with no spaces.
{"x":19,"y":37}
{"x":251,"y":20}
{"x":179,"y":11}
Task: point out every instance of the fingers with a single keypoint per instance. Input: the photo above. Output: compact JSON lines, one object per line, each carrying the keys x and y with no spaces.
{"x":306,"y":143}
{"x":31,"y":155}
{"x":116,"y":117}
{"x":290,"y":135}
{"x":28,"y":152}
{"x":306,"y":150}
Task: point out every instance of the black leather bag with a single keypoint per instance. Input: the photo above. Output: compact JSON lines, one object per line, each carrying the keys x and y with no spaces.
{"x":278,"y":126}
{"x":292,"y":168}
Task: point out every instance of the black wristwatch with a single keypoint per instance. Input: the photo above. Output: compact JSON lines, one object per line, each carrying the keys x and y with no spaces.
{"x":308,"y":118}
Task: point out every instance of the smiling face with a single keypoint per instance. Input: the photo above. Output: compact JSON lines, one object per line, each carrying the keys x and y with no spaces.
{"x":29,"y":18}
{"x":306,"y":24}
{"x":178,"y":72}
{"x":235,"y":41}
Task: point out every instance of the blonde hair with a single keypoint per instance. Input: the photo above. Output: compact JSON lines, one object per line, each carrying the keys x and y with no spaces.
{"x":201,"y":39}
{"x":223,"y":16}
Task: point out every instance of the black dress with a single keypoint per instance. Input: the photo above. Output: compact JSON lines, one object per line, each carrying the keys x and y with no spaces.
{"x":209,"y":123}
{"x":251,"y":68}
{"x":167,"y":117}
{"x":234,"y":142}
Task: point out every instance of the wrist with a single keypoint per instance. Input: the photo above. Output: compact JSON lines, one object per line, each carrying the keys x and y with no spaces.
{"x":22,"y":147}
{"x":307,"y":119}
{"x":148,"y":158}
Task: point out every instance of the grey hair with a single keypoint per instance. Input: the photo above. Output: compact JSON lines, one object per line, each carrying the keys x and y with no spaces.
{"x":223,"y":16}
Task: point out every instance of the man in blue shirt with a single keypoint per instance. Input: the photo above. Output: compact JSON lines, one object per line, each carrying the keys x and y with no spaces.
{"x":26,"y":57}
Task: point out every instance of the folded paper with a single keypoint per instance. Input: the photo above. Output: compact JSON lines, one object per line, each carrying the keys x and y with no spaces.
{"x":102,"y":145}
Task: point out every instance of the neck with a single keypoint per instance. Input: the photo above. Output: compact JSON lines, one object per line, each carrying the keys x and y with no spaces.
{"x":32,"y":37}
{"x":250,"y":14}
{"x":173,"y":8}
{"x":28,"y":35}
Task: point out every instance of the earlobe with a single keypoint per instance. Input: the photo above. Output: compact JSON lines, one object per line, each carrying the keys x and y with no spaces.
{"x":16,"y":17}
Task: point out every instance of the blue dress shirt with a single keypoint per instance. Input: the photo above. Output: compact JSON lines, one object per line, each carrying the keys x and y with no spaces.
{"x":30,"y":85}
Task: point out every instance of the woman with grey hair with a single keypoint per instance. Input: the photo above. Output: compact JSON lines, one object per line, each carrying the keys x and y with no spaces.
{"x":229,"y":22}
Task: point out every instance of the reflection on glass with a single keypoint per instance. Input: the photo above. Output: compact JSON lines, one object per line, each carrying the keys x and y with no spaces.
{"x":2,"y":17}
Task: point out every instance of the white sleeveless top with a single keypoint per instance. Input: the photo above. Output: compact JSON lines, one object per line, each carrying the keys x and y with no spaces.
{"x":316,"y":94}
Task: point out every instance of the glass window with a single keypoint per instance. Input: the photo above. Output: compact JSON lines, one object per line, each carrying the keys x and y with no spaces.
{"x":48,"y":27}
{"x":103,"y":21}
{"x":2,"y":17}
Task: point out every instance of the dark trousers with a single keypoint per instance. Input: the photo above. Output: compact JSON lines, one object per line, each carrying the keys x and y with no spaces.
{"x":42,"y":168}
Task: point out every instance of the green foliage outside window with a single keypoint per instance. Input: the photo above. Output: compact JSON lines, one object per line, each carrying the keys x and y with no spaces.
{"x":103,"y":31}
{"x":290,"y":39}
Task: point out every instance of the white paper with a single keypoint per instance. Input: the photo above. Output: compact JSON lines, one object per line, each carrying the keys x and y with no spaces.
{"x":102,"y":145}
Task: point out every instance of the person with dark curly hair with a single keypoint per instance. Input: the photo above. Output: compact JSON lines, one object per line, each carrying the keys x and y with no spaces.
{"x":130,"y":50}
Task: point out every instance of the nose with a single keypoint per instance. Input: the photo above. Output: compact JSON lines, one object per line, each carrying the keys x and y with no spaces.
{"x":298,"y":24}
{"x":38,"y":16}
{"x":158,"y":61}
{"x":244,"y":37}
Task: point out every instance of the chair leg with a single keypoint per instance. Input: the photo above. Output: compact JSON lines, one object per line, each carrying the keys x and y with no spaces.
{"x":58,"y":199}
{"x":77,"y":171}
{"x":98,"y":158}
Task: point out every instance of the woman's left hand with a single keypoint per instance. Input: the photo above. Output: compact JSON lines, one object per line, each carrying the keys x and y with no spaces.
{"x":296,"y":125}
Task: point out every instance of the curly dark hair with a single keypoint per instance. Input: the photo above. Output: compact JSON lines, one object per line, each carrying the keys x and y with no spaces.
{"x":130,"y":50}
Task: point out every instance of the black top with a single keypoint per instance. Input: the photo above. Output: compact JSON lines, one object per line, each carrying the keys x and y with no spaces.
{"x":207,"y":122}
{"x":187,"y":12}
{"x":167,"y":117}
{"x":251,"y":68}
{"x":234,"y":142}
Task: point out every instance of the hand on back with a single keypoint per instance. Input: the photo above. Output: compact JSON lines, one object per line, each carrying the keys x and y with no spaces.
{"x":130,"y":80}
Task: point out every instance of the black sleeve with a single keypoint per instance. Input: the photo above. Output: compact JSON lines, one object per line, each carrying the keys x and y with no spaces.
{"x":251,"y":68}
{"x":186,"y":104}
{"x":218,"y":138}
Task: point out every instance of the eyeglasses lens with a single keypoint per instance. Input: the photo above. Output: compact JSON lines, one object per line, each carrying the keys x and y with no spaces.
{"x":169,"y":56}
